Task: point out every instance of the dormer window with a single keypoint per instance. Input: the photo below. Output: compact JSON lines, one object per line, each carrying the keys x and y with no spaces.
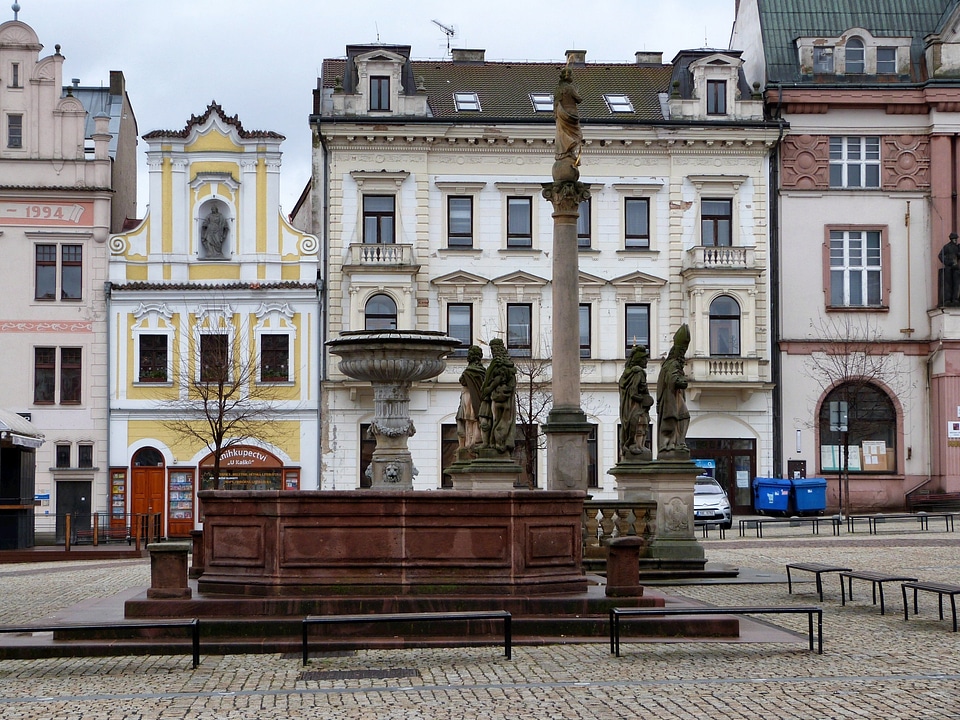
{"x":886,"y":61}
{"x":716,"y":97}
{"x":618,"y":103}
{"x":823,"y":59}
{"x":380,"y":93}
{"x":542,"y":102}
{"x":466,"y":101}
{"x":854,"y":56}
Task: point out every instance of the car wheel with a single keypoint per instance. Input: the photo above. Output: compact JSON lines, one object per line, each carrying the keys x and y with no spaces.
{"x":727,"y":525}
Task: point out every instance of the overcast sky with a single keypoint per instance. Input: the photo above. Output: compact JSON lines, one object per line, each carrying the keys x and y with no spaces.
{"x":260,"y":59}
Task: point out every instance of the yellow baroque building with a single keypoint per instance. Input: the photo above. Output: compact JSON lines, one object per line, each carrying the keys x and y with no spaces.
{"x":213,"y":330}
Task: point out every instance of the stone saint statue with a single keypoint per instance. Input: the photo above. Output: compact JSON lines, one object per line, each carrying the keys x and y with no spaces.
{"x":468,"y":415}
{"x":569,"y":138}
{"x":213,"y":233}
{"x":673,"y":418}
{"x":635,"y":404}
{"x":498,"y":403}
{"x":950,"y":257}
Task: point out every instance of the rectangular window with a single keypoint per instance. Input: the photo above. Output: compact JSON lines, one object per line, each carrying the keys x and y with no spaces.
{"x":637,"y":223}
{"x":63,"y":456}
{"x":70,"y":367}
{"x":460,"y":222}
{"x":637,"y":327}
{"x":542,"y":102}
{"x":585,"y":330}
{"x":519,"y":222}
{"x":716,"y":97}
{"x":886,"y":60}
{"x":15,"y":75}
{"x":583,"y":226}
{"x":378,"y":219}
{"x":14,"y":131}
{"x":823,"y":59}
{"x":153,"y":358}
{"x":466,"y":101}
{"x":44,"y":375}
{"x":593,"y":477}
{"x":519,"y":318}
{"x":214,"y":358}
{"x":855,"y":162}
{"x":618,"y":103}
{"x":85,"y":456}
{"x":716,"y":220}
{"x":855,"y":268}
{"x":460,"y":326}
{"x":379,"y":93}
{"x":46,"y":272}
{"x":71,"y":272}
{"x":274,"y":357}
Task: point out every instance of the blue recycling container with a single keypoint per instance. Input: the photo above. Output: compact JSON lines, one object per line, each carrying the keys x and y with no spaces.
{"x":809,"y":495}
{"x":771,"y":494}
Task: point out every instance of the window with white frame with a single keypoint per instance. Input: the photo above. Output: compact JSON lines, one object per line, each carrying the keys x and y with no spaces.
{"x":379,"y":92}
{"x":822,"y":59}
{"x":636,"y":223}
{"x":520,"y":222}
{"x":15,"y":131}
{"x":618,"y":103}
{"x":466,"y":101}
{"x":724,"y":326}
{"x":854,"y":162}
{"x":519,"y":321}
{"x":853,"y":56}
{"x":636,"y":326}
{"x":585,"y":334}
{"x":380,"y":313}
{"x":214,"y":358}
{"x":886,"y":61}
{"x":460,"y":326}
{"x":584,"y":240}
{"x":460,"y":221}
{"x":716,"y":97}
{"x":856,"y":272}
{"x":542,"y":102}
{"x":152,"y":364}
{"x":274,"y":357}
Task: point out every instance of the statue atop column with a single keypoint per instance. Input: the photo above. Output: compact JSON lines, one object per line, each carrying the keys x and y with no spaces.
{"x":468,"y":414}
{"x":635,"y":404}
{"x":498,"y":401}
{"x":950,"y":257}
{"x":569,"y":138}
{"x":673,"y":417}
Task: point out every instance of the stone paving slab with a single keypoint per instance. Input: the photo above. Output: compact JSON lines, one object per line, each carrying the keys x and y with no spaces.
{"x":873,"y":666}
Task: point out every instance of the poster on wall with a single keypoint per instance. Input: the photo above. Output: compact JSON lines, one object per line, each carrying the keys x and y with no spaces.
{"x":831,"y":459}
{"x":874,"y":455}
{"x":953,"y":429}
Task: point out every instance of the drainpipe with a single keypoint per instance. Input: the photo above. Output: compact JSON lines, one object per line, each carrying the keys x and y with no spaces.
{"x":774,"y":269}
{"x":107,"y":289}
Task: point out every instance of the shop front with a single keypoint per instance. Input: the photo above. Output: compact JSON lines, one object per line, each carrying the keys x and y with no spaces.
{"x":243,"y":467}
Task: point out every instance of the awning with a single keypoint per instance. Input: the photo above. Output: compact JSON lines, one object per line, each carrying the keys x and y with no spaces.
{"x":17,"y":430}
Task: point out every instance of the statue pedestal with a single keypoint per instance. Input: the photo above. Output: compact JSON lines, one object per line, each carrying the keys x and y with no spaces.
{"x":674,"y":543}
{"x":633,"y":481}
{"x":490,"y":473}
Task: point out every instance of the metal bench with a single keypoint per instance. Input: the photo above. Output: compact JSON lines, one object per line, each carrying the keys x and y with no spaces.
{"x":922,"y":517}
{"x":876,"y":580}
{"x":940,"y":589}
{"x":812,"y":521}
{"x":192,"y":624}
{"x":818,"y":569}
{"x":617,"y":613}
{"x":410,"y":617}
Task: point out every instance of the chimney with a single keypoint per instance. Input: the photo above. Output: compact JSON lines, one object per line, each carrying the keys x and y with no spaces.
{"x":117,"y":83}
{"x":462,"y":55}
{"x":649,"y":58}
{"x":576,"y":57}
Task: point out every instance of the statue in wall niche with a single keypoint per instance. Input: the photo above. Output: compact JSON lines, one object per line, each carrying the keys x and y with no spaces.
{"x":635,"y":404}
{"x":950,"y":257}
{"x":213,"y":233}
{"x":468,"y":414}
{"x":498,"y":403}
{"x":673,"y":417}
{"x":569,"y":137}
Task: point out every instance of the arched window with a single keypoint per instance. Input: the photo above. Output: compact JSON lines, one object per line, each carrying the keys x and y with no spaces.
{"x":724,"y":326}
{"x":868,"y":427}
{"x":853,"y":56}
{"x":380,"y":313}
{"x":148,"y":457}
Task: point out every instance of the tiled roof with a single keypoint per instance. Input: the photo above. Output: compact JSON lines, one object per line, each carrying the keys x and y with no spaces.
{"x":504,"y":88}
{"x":783,"y":21}
{"x":201,"y":119}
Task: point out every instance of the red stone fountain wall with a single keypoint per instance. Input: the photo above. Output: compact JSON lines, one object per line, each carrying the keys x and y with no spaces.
{"x":365,"y":543}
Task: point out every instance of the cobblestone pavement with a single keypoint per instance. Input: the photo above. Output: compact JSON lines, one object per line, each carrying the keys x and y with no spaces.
{"x":873,"y":666}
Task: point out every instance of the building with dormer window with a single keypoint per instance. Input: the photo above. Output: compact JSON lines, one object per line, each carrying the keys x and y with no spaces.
{"x":868,"y":319}
{"x":213,"y":299}
{"x":428,"y":201}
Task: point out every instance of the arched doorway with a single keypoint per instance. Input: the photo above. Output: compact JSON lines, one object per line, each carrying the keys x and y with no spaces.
{"x":147,"y":474}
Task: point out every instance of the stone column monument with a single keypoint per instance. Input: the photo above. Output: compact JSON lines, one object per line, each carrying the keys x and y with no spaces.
{"x":566,"y":427}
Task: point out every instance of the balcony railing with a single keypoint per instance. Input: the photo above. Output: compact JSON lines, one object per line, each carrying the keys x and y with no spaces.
{"x":380,"y":256}
{"x":720,"y":258}
{"x":725,"y":369}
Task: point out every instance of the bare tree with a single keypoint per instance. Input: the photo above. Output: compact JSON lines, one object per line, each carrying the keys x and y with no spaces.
{"x":534,"y":400}
{"x":223,"y":400}
{"x":855,"y":360}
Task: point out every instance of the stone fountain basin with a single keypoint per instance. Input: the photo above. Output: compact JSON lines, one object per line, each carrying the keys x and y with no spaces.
{"x":391,"y":356}
{"x":404,"y":542}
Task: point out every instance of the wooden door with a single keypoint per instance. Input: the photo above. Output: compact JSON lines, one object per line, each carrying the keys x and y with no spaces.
{"x":146,"y":488}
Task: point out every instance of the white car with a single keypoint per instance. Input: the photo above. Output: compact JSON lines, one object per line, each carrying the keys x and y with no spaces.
{"x":710,"y":503}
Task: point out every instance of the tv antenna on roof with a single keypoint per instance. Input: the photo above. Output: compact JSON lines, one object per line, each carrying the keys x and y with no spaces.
{"x":448,"y":30}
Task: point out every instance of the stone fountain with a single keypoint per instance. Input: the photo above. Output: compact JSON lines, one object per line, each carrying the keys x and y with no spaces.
{"x":391,"y":360}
